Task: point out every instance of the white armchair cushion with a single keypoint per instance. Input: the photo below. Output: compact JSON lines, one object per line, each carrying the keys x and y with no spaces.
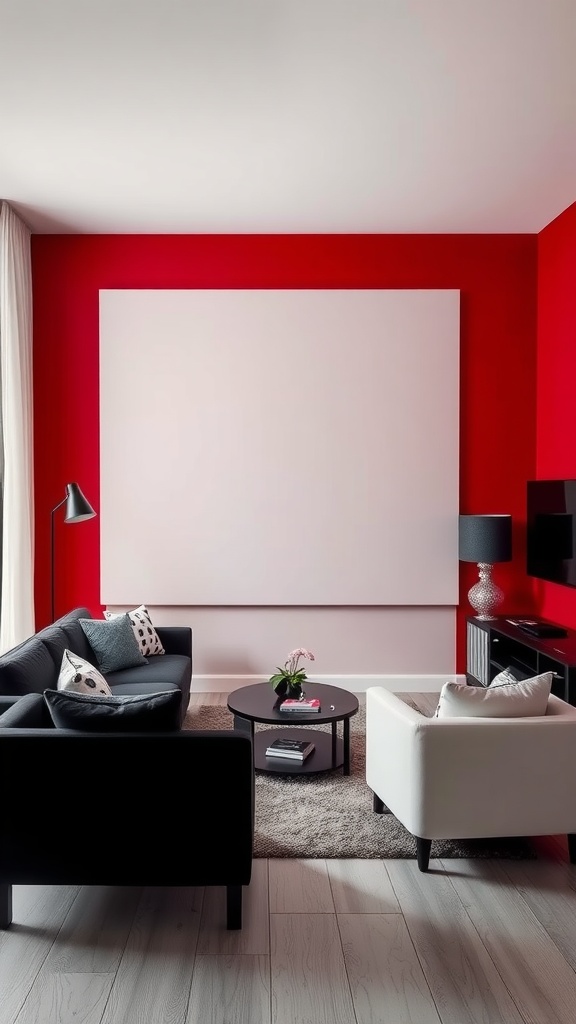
{"x":525,"y":699}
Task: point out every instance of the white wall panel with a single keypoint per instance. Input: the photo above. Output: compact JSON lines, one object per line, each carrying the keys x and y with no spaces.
{"x":279,"y":447}
{"x":407,"y":648}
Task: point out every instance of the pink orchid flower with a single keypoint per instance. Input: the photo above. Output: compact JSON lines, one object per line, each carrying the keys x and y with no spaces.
{"x":290,"y":671}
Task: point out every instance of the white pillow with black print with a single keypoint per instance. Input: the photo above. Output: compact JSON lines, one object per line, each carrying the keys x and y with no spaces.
{"x":80,"y":676}
{"x":504,"y":678}
{"x":525,"y":698}
{"x":149,"y":642}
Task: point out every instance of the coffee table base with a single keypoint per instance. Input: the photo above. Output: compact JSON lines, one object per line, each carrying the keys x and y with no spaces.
{"x":328,"y":753}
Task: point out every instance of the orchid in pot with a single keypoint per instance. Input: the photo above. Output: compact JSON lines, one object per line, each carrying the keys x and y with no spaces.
{"x":287,"y":681}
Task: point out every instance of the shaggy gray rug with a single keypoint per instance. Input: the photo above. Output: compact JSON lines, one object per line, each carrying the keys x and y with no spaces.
{"x":330,"y":815}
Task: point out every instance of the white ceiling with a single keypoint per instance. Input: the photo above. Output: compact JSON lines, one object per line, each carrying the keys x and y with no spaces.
{"x":218,"y":116}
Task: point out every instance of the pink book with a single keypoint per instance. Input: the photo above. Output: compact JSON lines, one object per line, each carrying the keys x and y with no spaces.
{"x":300,"y":705}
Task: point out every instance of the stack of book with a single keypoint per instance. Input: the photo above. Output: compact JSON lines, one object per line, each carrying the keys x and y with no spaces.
{"x":301,"y":705}
{"x":293,"y":750}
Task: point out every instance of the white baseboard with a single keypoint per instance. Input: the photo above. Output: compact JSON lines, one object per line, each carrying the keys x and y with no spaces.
{"x":356,"y":684}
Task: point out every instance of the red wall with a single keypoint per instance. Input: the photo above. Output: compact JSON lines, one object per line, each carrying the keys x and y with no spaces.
{"x":556,"y":380}
{"x":495,"y":273}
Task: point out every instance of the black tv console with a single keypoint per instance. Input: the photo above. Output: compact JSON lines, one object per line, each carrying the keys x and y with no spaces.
{"x":496,"y":644}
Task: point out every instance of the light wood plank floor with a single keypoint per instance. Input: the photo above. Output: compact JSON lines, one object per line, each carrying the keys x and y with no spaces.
{"x":323,"y":942}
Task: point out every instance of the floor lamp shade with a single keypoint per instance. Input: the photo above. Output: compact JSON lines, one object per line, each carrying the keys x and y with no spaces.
{"x":485,"y":540}
{"x":78,"y":508}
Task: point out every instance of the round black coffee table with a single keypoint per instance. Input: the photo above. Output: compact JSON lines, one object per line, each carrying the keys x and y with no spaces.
{"x":259,"y":703}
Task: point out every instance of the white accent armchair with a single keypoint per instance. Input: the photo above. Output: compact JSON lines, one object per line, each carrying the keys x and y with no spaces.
{"x":464,"y":778}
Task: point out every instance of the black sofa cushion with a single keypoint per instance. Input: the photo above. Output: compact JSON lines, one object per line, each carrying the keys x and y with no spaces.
{"x":77,"y":641}
{"x":157,"y":712}
{"x":133,"y":689}
{"x":28,"y":667}
{"x":161,"y":669}
{"x":55,"y":641}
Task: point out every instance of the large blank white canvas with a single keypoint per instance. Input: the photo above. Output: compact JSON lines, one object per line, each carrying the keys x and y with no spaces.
{"x":279,"y":447}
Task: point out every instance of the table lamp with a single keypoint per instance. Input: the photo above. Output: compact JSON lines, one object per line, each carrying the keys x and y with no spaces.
{"x":485,"y":540}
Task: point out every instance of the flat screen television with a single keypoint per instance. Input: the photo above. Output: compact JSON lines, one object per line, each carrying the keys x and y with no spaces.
{"x":550,"y":540}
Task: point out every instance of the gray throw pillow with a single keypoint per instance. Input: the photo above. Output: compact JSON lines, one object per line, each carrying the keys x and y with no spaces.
{"x":147,"y":638}
{"x":150,"y":712}
{"x":113,"y":643}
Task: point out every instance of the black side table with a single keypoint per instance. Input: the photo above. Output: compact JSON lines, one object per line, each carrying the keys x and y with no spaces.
{"x":259,"y":703}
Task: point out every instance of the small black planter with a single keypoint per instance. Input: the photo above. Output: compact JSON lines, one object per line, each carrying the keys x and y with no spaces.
{"x":285,"y":689}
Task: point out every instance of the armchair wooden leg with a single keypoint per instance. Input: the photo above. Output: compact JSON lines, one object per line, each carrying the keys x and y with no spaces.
{"x":5,"y":905}
{"x":233,"y":906}
{"x":423,"y":847}
{"x":378,"y":805}
{"x":572,"y":848}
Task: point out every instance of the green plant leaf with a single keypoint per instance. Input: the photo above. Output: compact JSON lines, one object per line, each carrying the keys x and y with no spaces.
{"x":275,"y":679}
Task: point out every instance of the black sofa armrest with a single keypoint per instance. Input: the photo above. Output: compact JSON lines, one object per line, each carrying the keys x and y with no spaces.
{"x":7,"y":702}
{"x":176,"y":639}
{"x":27,"y":712}
{"x":127,"y":809}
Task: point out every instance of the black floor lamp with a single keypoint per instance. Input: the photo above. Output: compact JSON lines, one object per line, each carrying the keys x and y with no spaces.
{"x":78,"y":508}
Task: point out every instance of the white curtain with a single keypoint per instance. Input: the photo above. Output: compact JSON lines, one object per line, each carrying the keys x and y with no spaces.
{"x":16,"y":418}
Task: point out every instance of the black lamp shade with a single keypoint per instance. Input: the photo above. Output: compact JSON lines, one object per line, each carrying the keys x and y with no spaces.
{"x":485,"y":539}
{"x":78,"y":507}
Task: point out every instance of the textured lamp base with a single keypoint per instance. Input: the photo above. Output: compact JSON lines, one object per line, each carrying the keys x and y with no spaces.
{"x":485,"y":597}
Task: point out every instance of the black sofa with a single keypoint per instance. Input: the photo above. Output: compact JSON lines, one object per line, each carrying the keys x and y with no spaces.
{"x":118,"y":808}
{"x":34,"y":665}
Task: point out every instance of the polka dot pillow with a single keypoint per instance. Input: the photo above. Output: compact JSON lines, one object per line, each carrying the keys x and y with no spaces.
{"x":149,"y":642}
{"x":80,"y":676}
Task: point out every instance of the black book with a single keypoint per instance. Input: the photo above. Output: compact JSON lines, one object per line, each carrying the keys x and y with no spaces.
{"x":294,"y":749}
{"x":539,"y":629}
